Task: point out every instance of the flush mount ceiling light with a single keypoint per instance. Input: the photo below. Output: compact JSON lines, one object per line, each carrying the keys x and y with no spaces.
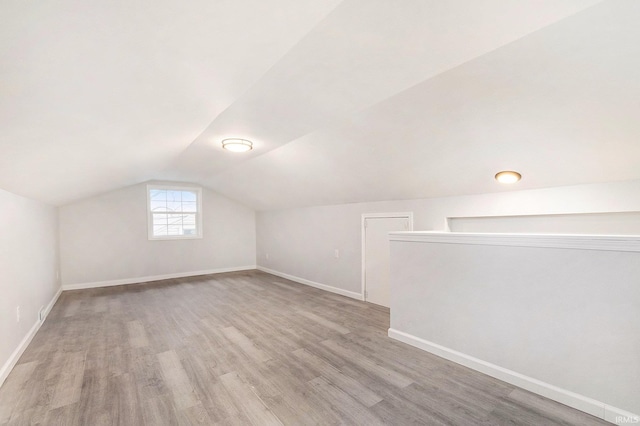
{"x":237,"y":145}
{"x":508,"y":177}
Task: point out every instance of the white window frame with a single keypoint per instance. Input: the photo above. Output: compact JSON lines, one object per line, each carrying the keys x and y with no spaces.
{"x":195,"y":189}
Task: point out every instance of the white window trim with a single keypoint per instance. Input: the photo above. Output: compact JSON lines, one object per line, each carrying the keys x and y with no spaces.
{"x":196,"y":189}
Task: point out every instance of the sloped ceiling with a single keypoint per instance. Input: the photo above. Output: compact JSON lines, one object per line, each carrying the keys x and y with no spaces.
{"x":345,"y":101}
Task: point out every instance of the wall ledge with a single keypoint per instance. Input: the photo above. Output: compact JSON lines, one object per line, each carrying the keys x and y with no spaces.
{"x":624,"y":243}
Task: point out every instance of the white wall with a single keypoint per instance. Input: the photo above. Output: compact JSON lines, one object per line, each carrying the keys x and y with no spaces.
{"x":563,"y":315}
{"x":28,"y":264}
{"x":104,"y":238}
{"x":301,"y":242}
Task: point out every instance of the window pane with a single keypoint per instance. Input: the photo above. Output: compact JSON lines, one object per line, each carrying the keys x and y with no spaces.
{"x":189,"y":207}
{"x":175,"y":196}
{"x":175,"y":219}
{"x":173,"y":212}
{"x":189,"y":219}
{"x":189,"y":196}
{"x":174,"y":206}
{"x":175,"y":230}
{"x":159,"y":219}
{"x":158,"y":194}
{"x":159,"y":230}
{"x":158,"y":206}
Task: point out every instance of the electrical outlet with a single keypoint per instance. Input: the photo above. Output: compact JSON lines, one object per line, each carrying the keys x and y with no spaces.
{"x":57,"y":275}
{"x":17,"y":313}
{"x":266,"y":256}
{"x":337,"y":253}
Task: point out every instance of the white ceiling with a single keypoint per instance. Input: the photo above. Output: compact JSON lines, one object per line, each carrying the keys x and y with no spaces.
{"x":354,"y":100}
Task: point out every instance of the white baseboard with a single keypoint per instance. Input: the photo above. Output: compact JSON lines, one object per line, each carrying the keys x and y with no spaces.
{"x":139,"y":280}
{"x":325,"y":287}
{"x":17,"y":353}
{"x":566,"y":397}
{"x":51,"y":304}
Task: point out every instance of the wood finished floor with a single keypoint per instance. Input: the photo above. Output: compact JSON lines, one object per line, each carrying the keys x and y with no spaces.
{"x":241,"y":349}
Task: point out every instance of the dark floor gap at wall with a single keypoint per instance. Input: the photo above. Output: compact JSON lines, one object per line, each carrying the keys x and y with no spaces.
{"x":246,"y":348}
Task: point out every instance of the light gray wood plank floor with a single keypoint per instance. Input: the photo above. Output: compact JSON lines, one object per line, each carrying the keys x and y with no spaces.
{"x":246,"y":348}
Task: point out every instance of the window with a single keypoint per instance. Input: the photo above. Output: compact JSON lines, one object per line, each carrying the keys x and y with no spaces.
{"x":174,"y":212}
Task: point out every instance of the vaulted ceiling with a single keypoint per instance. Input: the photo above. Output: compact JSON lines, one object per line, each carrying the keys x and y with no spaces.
{"x":345,"y":101}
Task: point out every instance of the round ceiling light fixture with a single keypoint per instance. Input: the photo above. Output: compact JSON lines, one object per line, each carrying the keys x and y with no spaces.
{"x":237,"y":145}
{"x":508,"y":177}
